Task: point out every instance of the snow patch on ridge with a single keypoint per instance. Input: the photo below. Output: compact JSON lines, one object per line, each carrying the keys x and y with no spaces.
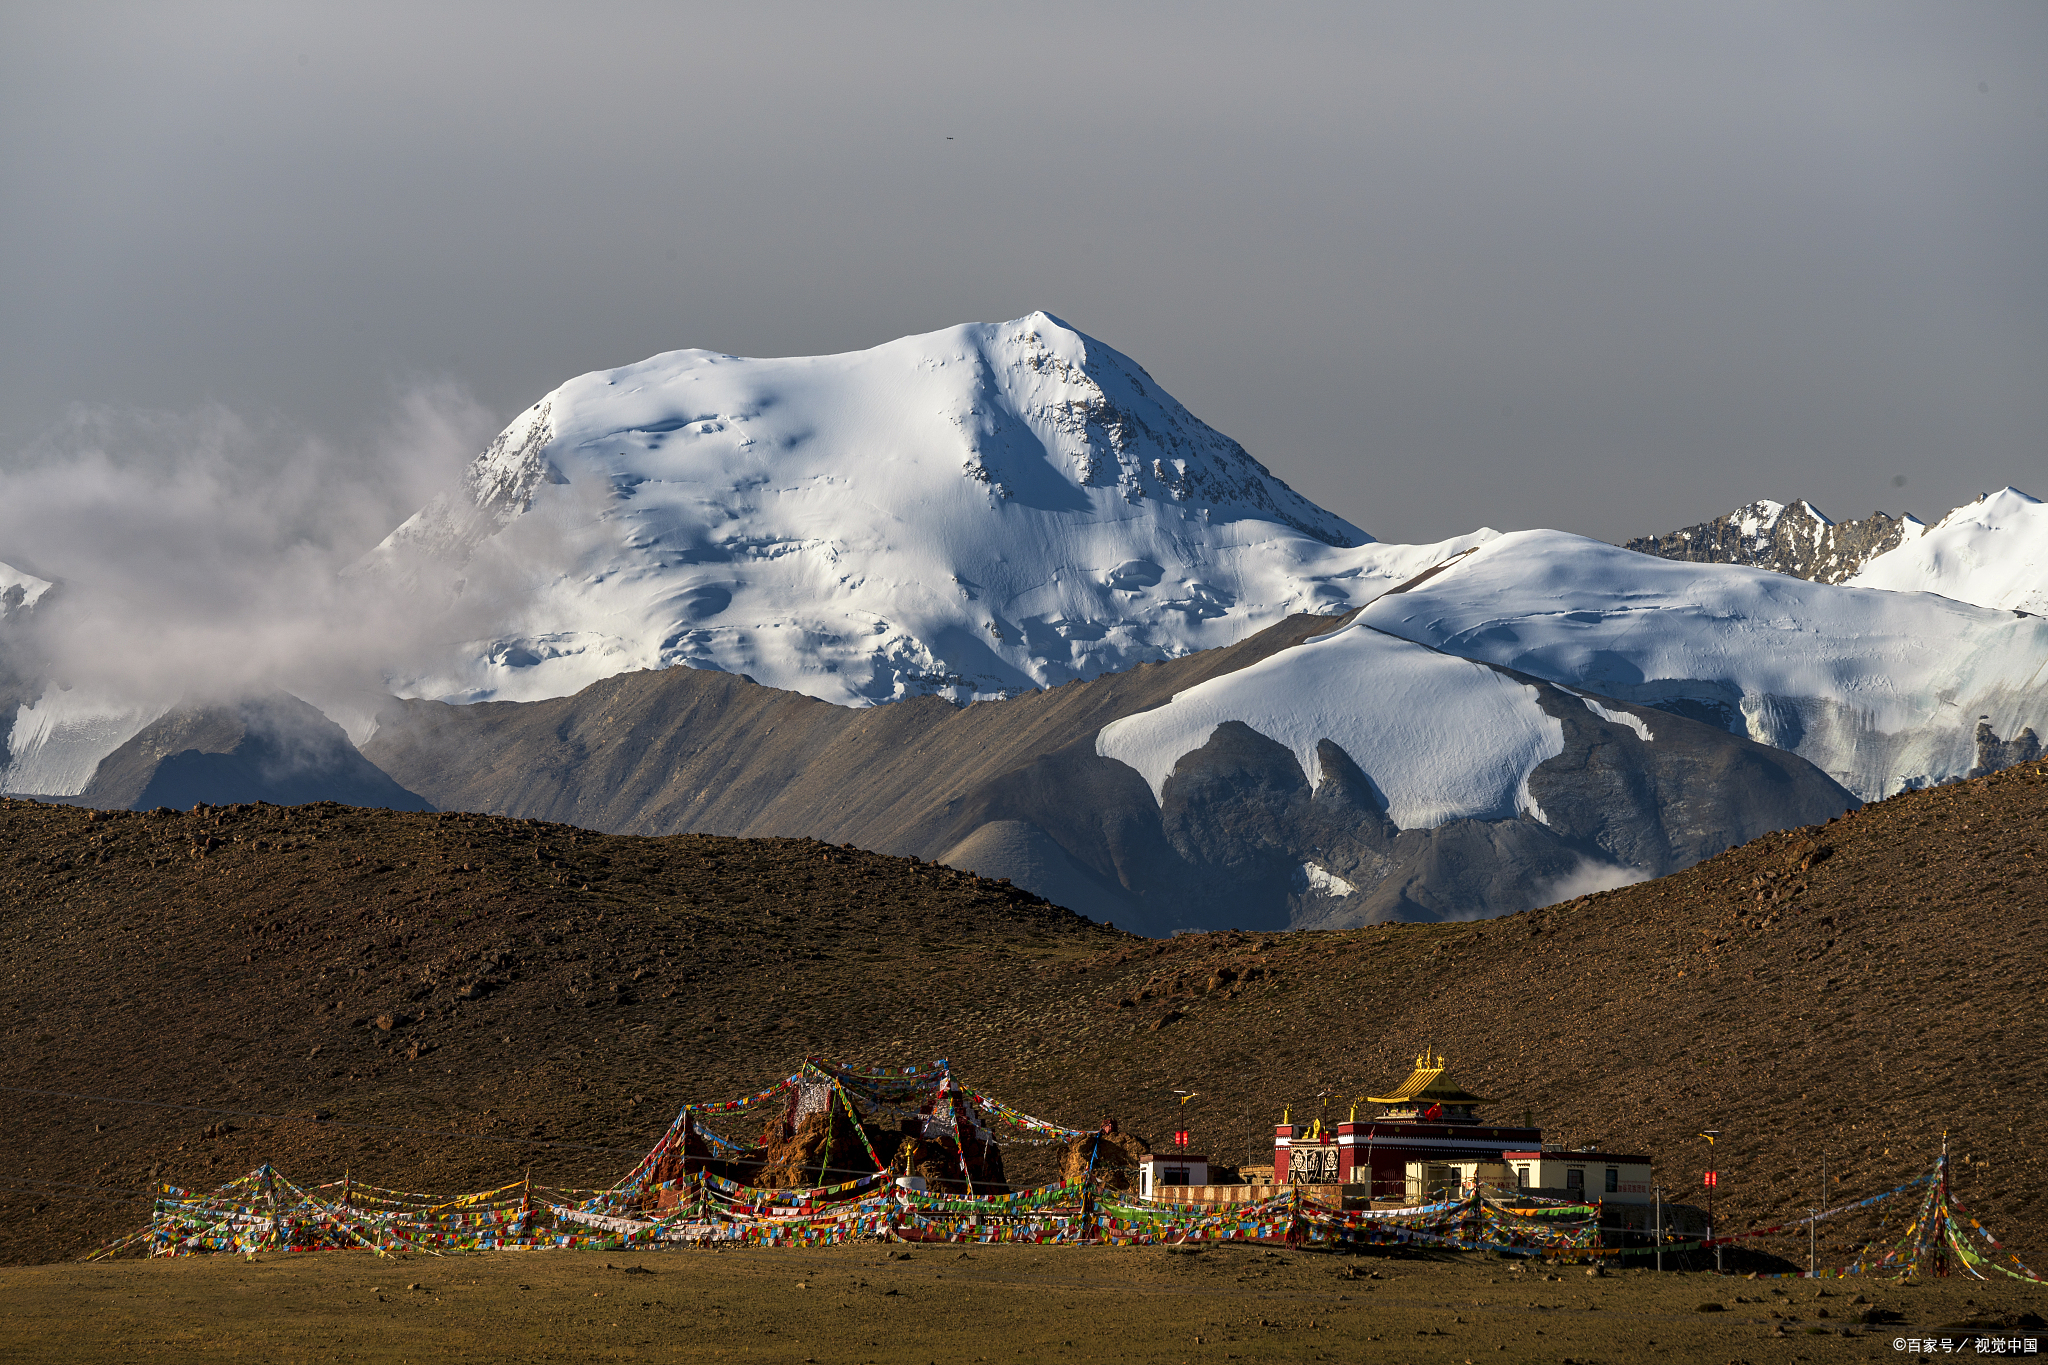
{"x":1441,"y":737}
{"x":1309,"y":877}
{"x":1635,"y":723}
{"x":1759,"y":516}
{"x":19,"y":589}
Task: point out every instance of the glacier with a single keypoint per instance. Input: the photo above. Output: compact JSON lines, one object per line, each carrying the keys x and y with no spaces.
{"x":1442,"y":738}
{"x":1880,"y":689}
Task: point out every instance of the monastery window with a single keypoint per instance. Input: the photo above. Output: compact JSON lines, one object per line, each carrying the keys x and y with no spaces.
{"x":1521,"y":1177}
{"x":1575,"y":1179}
{"x":1613,"y":1180}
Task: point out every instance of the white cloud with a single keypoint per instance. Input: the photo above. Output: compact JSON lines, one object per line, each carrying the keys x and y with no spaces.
{"x":1585,"y":879}
{"x":196,"y":554}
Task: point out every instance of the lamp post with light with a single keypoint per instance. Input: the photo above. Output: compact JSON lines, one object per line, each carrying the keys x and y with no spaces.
{"x":1713,"y":1180}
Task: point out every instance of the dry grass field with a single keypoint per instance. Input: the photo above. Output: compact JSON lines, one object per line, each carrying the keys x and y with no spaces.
{"x":874,"y":1303}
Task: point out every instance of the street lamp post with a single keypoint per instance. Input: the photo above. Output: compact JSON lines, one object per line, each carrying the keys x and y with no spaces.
{"x":1713,"y":1183}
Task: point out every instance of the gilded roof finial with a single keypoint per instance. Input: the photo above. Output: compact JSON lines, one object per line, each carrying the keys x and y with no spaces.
{"x":1427,"y":1082}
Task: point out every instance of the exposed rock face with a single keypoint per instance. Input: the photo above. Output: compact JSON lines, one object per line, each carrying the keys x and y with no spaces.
{"x":276,"y":749}
{"x":1242,"y":840}
{"x":1111,"y":1158}
{"x":1995,"y":754}
{"x":1795,"y":540}
{"x":1236,"y":838}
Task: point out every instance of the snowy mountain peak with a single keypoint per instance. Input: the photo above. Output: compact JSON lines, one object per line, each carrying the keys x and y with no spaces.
{"x":1992,"y":552}
{"x":1024,"y":399}
{"x":978,"y":511}
{"x":1991,"y":508}
{"x":19,"y":591}
{"x":1108,"y":425}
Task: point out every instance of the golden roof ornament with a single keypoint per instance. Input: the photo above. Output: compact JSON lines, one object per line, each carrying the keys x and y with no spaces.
{"x":1426,"y":1085}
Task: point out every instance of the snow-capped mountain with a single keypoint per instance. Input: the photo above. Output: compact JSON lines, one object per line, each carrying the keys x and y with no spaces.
{"x":981,"y":511}
{"x":995,"y":509}
{"x":19,"y":591}
{"x":1879,"y":689}
{"x":1993,"y":552}
{"x":58,"y":736}
{"x":52,"y":735}
{"x":1793,"y":538}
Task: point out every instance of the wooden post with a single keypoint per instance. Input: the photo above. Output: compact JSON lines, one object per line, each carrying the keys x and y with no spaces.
{"x":1941,"y":1211}
{"x":1088,"y":1189}
{"x":1712,"y":1190}
{"x":962,"y":1126}
{"x":1813,"y":1225}
{"x":270,"y":1195}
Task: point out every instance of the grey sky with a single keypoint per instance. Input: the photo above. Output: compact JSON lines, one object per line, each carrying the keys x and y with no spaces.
{"x":1611,"y":268}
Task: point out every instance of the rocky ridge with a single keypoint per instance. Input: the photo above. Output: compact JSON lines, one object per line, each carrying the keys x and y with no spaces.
{"x":1793,"y":539}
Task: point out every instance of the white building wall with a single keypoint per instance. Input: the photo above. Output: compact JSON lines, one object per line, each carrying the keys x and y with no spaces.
{"x":1616,"y":1179}
{"x":1156,"y":1170}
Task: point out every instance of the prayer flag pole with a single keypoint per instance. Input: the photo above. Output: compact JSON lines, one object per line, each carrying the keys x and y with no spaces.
{"x":270,"y":1194}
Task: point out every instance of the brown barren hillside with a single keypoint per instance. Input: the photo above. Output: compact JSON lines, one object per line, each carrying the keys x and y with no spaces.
{"x":1848,"y":990}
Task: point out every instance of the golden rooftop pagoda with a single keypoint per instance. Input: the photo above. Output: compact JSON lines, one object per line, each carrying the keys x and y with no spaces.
{"x":1427,"y":1089}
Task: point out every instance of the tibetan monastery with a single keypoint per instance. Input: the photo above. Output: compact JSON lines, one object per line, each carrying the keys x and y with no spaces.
{"x":1428,"y":1143}
{"x":1430,"y":1136}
